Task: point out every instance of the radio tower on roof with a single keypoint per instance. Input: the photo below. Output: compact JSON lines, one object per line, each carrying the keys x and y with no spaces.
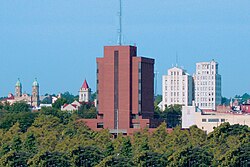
{"x":120,"y":24}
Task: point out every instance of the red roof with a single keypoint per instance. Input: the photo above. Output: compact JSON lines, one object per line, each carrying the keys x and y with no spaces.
{"x":85,"y":85}
{"x":65,"y":105}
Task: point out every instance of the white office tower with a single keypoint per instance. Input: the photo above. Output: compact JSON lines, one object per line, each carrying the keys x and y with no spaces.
{"x":177,"y":88}
{"x":207,"y":85}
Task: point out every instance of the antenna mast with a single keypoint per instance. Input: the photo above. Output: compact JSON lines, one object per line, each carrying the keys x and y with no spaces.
{"x":120,"y":24}
{"x":177,"y":59}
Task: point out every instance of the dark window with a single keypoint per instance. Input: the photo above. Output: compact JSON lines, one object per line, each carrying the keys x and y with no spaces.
{"x":204,"y":120}
{"x":213,"y":120}
{"x":100,"y":125}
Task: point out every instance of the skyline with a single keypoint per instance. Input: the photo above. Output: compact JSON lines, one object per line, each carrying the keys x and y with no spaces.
{"x":58,"y":42}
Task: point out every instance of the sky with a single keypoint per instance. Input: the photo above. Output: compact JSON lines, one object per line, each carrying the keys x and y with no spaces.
{"x":58,"y":41}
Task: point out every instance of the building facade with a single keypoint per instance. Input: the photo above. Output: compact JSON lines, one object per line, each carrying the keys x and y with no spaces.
{"x":35,"y":94}
{"x":33,"y":100}
{"x":207,"y":121}
{"x":85,"y":92}
{"x":18,"y":88}
{"x":207,"y":81}
{"x":125,"y":90}
{"x":177,"y":88}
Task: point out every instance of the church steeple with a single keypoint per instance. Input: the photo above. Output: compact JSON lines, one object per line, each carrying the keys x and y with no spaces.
{"x":84,"y":92}
{"x":18,"y":88}
{"x":35,"y":94}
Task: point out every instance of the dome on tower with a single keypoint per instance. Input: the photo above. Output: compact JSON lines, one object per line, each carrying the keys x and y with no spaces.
{"x":18,"y":83}
{"x":35,"y":83}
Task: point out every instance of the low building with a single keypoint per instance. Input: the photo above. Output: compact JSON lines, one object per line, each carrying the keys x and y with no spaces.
{"x":245,"y":108}
{"x":207,"y":121}
{"x":71,"y":107}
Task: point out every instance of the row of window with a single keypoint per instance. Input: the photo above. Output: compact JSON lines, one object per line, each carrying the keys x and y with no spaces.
{"x":175,"y":87}
{"x":176,"y":73}
{"x":205,"y":72}
{"x":213,"y":120}
{"x":204,"y":94}
{"x":205,"y":66}
{"x":178,"y":100}
{"x":204,"y":99}
{"x":205,"y":83}
{"x":204,"y":77}
{"x":203,"y":88}
{"x":205,"y":104}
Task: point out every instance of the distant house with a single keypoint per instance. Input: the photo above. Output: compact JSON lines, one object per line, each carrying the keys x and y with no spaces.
{"x":245,"y":108}
{"x":71,"y":107}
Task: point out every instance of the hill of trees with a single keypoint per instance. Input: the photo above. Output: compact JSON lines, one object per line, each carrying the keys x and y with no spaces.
{"x":55,"y":138}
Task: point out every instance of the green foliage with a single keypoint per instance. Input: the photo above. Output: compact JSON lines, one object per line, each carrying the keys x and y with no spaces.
{"x":86,"y":156}
{"x":68,"y":97}
{"x":47,"y":100}
{"x":64,"y":116}
{"x":87,"y":111}
{"x":17,"y":107}
{"x":57,"y":138}
{"x":20,"y":107}
{"x":59,"y":102}
{"x":225,"y":101}
{"x":171,"y":115}
{"x":13,"y":158}
{"x":93,"y":96}
{"x":25,"y":119}
{"x":158,"y":99}
{"x":49,"y":159}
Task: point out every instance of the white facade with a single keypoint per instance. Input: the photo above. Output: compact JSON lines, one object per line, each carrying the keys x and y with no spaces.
{"x":207,"y":83}
{"x":85,"y":92}
{"x":177,"y":88}
{"x":207,"y":121}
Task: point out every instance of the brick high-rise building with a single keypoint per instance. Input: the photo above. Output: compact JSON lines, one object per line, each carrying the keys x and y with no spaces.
{"x":125,"y":90}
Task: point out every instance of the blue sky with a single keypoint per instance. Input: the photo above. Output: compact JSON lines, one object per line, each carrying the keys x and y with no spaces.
{"x":57,"y":41}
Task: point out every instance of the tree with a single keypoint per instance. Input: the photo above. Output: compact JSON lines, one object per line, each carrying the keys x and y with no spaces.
{"x":87,"y":111}
{"x":13,"y":158}
{"x":47,"y":100}
{"x":157,"y":141}
{"x":25,"y":120}
{"x":20,"y":107}
{"x":126,"y":147}
{"x":86,"y":156}
{"x":49,"y":159}
{"x":115,"y":161}
{"x":69,"y":97}
{"x":1,"y":106}
{"x":16,"y":143}
{"x":172,"y":115}
{"x":30,"y":144}
{"x":59,"y":102}
{"x":147,"y":158}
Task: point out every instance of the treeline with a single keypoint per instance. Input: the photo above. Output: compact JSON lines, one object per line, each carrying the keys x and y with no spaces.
{"x":55,"y":138}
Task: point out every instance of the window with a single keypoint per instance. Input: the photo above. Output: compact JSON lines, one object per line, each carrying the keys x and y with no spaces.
{"x":213,"y":120}
{"x":135,"y":116}
{"x":222,"y":120}
{"x":136,"y":126}
{"x":100,"y":125}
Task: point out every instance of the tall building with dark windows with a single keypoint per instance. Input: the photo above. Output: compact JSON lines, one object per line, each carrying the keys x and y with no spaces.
{"x":125,"y":90}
